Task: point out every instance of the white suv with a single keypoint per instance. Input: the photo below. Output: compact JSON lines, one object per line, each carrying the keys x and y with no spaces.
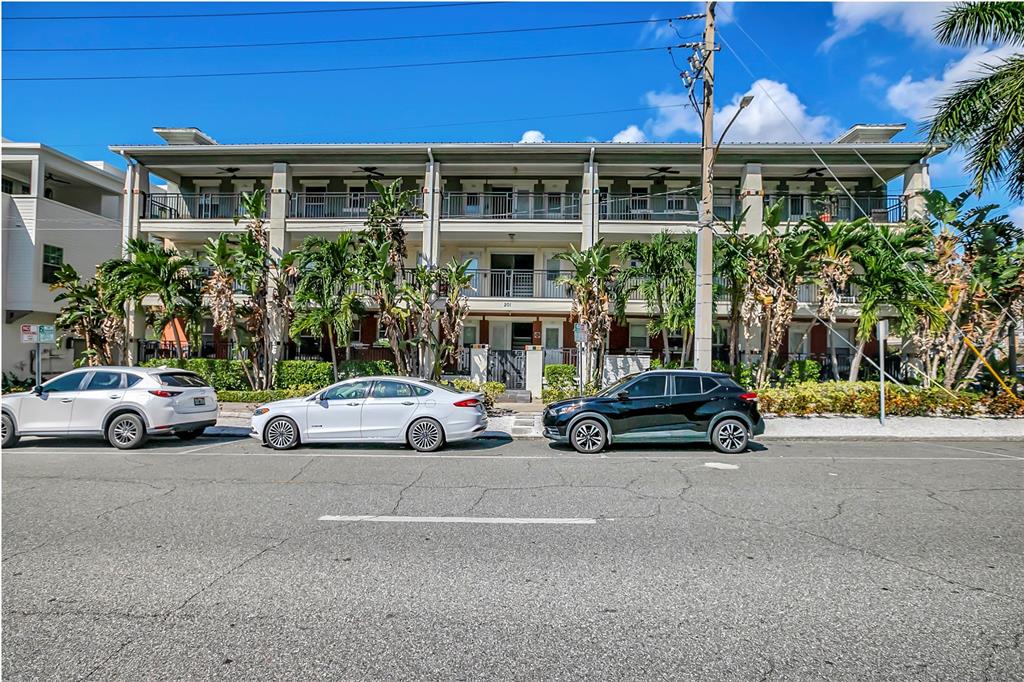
{"x":124,"y":404}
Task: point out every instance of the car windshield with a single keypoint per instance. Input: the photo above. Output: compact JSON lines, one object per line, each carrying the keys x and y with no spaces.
{"x":616,"y":387}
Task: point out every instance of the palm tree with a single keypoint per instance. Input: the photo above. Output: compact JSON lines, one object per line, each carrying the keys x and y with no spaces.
{"x":454,"y":280}
{"x":661,"y":271}
{"x":326,"y":290}
{"x":983,"y":115}
{"x":732,"y":264}
{"x":592,"y":282}
{"x":385,"y":215}
{"x":82,"y":313}
{"x":254,"y":265}
{"x":153,"y":270}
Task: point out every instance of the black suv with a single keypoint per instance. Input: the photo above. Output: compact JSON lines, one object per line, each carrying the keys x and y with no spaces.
{"x":659,"y":406}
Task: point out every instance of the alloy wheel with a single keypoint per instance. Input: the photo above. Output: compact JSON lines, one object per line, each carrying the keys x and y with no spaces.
{"x":425,"y":435}
{"x":731,"y":436}
{"x":281,"y":434}
{"x":588,"y":437}
{"x":3,"y":430}
{"x":125,"y":431}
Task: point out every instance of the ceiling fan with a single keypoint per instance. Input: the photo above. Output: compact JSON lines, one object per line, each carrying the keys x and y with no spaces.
{"x":49,"y":176}
{"x":230,"y":170}
{"x":662,"y":171}
{"x":812,"y":172}
{"x":371,"y":171}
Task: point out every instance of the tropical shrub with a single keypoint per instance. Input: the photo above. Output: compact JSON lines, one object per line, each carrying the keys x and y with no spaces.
{"x":251,"y":396}
{"x":861,"y":398}
{"x":803,"y":370}
{"x":491,"y":390}
{"x":316,"y":373}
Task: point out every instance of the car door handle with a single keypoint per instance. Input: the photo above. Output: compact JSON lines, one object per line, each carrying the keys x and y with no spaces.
{"x":408,"y":402}
{"x":352,"y":404}
{"x":661,"y":406}
{"x":67,"y":400}
{"x":114,"y":397}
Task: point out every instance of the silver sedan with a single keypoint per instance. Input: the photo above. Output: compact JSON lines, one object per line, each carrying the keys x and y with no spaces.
{"x":424,"y":414}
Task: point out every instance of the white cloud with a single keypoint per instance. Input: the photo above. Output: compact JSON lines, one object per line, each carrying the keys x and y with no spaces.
{"x":725,"y":13}
{"x":1017,"y":216}
{"x":915,"y":19}
{"x":916,"y":98}
{"x":658,"y":33}
{"x":761,"y":121}
{"x":532,"y":137}
{"x":630,"y":134}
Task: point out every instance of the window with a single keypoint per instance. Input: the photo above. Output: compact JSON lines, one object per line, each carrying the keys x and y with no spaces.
{"x":65,"y":383}
{"x":391,"y":389}
{"x":131,"y":380}
{"x":53,"y":259}
{"x":421,"y":391}
{"x":648,"y":387}
{"x":551,"y":339}
{"x":353,"y":391}
{"x":638,"y":336}
{"x":708,"y":384}
{"x":468,"y":336}
{"x":184,"y":379}
{"x":687,"y":385}
{"x":8,"y":186}
{"x":676,"y":201}
{"x":104,"y":381}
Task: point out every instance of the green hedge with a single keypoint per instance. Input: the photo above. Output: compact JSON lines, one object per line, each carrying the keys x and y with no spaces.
{"x":264,"y":396}
{"x":223,"y":375}
{"x":490,"y":389}
{"x":861,"y":398}
{"x":229,"y":375}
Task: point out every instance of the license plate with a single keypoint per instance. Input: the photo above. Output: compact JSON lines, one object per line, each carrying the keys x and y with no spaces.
{"x":198,"y":401}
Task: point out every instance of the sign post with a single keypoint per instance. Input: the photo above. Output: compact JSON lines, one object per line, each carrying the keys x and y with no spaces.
{"x":883,"y":334}
{"x":578,"y":337}
{"x":38,"y":334}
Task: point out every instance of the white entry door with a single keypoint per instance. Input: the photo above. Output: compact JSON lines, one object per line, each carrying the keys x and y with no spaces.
{"x":501,"y":335}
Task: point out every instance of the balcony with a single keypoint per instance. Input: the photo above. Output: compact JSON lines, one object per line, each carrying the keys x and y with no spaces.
{"x":339,"y":205}
{"x":805,"y":293}
{"x":517,"y":284}
{"x":671,"y":207}
{"x":510,"y":206}
{"x":830,"y":208}
{"x":196,"y":207}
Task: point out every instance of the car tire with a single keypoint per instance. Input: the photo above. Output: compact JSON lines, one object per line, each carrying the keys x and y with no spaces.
{"x":10,"y":439}
{"x":126,"y":431}
{"x":190,"y":435}
{"x":730,"y":436}
{"x":588,"y":436}
{"x":281,"y":433}
{"x":425,"y":435}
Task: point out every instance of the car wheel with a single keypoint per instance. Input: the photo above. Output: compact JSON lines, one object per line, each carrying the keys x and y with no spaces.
{"x":190,"y":435}
{"x":126,"y":431}
{"x":729,"y":436}
{"x":282,"y":433}
{"x":588,"y":436}
{"x":9,"y":439}
{"x":425,"y":435}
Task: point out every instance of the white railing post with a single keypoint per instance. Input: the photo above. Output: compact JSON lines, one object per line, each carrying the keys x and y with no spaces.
{"x":535,"y":371}
{"x":478,"y":363}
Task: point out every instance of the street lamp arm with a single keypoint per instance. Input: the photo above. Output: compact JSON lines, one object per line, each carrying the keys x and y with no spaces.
{"x":744,"y":103}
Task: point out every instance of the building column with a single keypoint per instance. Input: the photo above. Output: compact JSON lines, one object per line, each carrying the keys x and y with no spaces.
{"x":915,"y":180}
{"x":37,"y":181}
{"x":430,"y":254}
{"x":535,"y":371}
{"x":590,"y":209}
{"x":752,"y":198}
{"x":136,"y":189}
{"x":280,"y":183}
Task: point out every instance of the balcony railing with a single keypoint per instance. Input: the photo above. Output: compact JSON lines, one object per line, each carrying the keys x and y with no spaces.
{"x":517,"y":284}
{"x":511,"y":205}
{"x":805,"y":293}
{"x":669,"y":207}
{"x":881,"y":209}
{"x":334,"y":204}
{"x":196,"y":206}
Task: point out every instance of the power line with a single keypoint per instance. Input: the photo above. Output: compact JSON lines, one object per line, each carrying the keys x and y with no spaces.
{"x":337,"y":41}
{"x":340,"y":69}
{"x":385,"y":8}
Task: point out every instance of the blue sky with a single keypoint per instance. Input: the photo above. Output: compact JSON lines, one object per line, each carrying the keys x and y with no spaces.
{"x":826,"y":65}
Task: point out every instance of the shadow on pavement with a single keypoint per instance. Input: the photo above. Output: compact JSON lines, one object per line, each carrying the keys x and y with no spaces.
{"x":661,"y":447}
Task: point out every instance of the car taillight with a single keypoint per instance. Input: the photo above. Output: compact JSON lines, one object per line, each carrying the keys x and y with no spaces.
{"x":160,"y":393}
{"x":469,"y":402}
{"x":748,"y":396}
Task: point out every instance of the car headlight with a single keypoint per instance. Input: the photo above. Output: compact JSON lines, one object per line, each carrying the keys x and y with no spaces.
{"x":260,"y":410}
{"x":568,"y":409}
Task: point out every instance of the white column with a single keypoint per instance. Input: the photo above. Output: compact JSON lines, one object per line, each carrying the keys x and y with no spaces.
{"x":590,"y":211}
{"x":752,"y":198}
{"x":535,"y":371}
{"x":915,"y":179}
{"x":431,"y":250}
{"x":278,"y":204}
{"x":36,"y":183}
{"x":478,"y":363}
{"x":136,"y":188}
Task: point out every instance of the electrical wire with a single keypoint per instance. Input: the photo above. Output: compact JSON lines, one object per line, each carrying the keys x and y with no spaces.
{"x":338,"y":41}
{"x":382,"y":8}
{"x":339,"y":69}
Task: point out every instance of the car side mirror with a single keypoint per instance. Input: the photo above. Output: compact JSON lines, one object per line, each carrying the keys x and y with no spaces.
{"x":622,"y":395}
{"x":37,"y":389}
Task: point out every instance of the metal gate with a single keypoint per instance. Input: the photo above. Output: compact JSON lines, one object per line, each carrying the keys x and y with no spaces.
{"x":508,"y":367}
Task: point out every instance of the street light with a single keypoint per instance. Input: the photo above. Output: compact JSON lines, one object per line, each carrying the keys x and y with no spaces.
{"x":744,"y":103}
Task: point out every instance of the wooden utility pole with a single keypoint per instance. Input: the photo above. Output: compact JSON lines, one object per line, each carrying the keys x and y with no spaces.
{"x":705,"y":304}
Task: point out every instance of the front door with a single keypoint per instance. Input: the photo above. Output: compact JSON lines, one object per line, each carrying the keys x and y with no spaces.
{"x":336,"y":416}
{"x":103,"y":389}
{"x":512,"y":275}
{"x":522,"y":335}
{"x":501,"y":335}
{"x":388,"y":410}
{"x":50,"y":411}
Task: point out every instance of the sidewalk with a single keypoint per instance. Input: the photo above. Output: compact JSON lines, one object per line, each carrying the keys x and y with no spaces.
{"x":524,"y":421}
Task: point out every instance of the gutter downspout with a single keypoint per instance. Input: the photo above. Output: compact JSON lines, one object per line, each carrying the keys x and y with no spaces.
{"x":594,"y":199}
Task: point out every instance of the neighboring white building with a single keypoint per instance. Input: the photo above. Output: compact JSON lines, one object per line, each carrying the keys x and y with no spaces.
{"x":56,"y":210}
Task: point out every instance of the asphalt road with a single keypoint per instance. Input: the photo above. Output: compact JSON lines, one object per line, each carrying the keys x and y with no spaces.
{"x":212,"y":559}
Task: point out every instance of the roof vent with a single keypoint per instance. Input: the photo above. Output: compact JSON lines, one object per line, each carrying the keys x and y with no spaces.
{"x":870,"y":133}
{"x":184,"y":136}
